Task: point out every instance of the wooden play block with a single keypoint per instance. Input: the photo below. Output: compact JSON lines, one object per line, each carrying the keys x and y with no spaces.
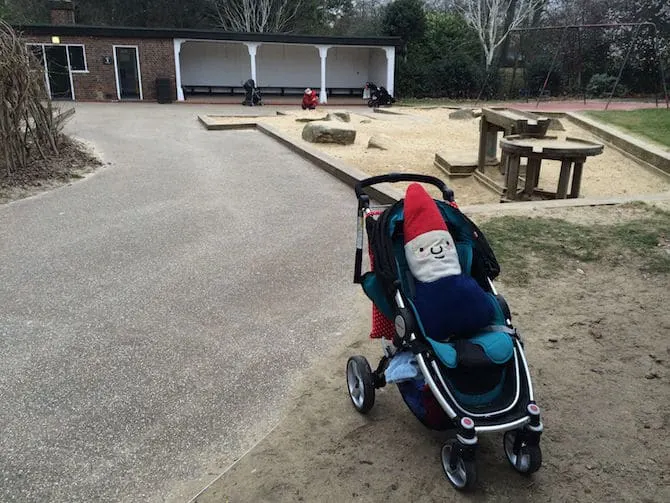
{"x":490,"y":182}
{"x":455,"y":165}
{"x":494,"y":180}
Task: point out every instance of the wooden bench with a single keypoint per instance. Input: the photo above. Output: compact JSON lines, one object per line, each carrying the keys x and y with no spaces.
{"x":285,"y":91}
{"x":298,"y":91}
{"x":212,"y":90}
{"x":345,"y":91}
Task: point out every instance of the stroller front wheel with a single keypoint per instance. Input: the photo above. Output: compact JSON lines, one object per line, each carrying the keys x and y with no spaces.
{"x":524,"y":458}
{"x":360,"y":384}
{"x":462,"y":473}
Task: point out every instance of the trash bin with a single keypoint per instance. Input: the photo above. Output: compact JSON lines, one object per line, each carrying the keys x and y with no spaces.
{"x":164,"y":91}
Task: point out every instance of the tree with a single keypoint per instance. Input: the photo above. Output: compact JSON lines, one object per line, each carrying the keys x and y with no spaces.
{"x":145,"y":13}
{"x":445,"y":62}
{"x":29,"y":129}
{"x":493,"y":21}
{"x":323,"y":17}
{"x":405,"y":19}
{"x":256,"y":16}
{"x":25,"y":11}
{"x":361,"y":18}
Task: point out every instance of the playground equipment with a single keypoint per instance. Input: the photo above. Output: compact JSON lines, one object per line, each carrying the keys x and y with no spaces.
{"x":571,"y":152}
{"x":524,"y":136}
{"x":510,"y":122}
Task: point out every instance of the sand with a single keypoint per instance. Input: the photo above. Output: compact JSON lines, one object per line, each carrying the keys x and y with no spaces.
{"x":596,"y":341}
{"x":417,"y":135}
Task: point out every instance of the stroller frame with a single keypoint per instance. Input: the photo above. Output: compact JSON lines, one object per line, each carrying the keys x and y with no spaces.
{"x":519,"y":418}
{"x":379,"y":96}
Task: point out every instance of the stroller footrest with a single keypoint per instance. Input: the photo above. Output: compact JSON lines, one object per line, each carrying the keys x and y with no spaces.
{"x":481,"y":350}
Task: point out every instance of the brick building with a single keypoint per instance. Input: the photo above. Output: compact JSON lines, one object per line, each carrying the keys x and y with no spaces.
{"x":95,"y":63}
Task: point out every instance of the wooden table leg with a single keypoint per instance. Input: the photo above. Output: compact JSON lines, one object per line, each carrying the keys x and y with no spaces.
{"x":513,"y":161}
{"x":532,"y":174}
{"x":503,"y":155}
{"x":563,"y":179}
{"x":505,"y":170}
{"x":576,"y":179}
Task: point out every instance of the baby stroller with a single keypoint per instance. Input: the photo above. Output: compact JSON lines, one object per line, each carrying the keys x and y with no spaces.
{"x":474,"y":385}
{"x":252,"y":94}
{"x":378,"y":95}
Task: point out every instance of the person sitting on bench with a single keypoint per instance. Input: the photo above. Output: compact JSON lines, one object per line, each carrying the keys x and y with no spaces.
{"x":309,"y":99}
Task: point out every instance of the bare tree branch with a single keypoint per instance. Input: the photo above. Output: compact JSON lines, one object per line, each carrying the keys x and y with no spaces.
{"x":255,"y":16}
{"x":28,"y":126}
{"x":493,"y":21}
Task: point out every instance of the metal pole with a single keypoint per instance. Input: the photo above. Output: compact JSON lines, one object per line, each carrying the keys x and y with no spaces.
{"x":623,"y":65}
{"x":553,"y":61}
{"x":660,"y":67}
{"x":481,"y":91}
{"x":574,"y":26}
{"x":494,"y":66}
{"x":581,"y":64}
{"x":516,"y":63}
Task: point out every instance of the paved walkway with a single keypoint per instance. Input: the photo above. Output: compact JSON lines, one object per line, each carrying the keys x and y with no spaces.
{"x":154,"y":315}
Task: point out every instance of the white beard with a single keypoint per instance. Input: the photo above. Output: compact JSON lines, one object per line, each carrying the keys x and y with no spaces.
{"x":432,"y":256}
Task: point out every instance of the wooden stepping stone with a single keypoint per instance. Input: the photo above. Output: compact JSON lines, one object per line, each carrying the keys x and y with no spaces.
{"x":455,"y":165}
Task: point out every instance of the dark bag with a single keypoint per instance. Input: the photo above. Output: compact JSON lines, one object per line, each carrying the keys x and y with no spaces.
{"x":484,"y":262}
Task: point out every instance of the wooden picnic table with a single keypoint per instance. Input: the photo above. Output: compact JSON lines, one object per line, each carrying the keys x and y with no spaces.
{"x":572,"y":152}
{"x":510,"y":122}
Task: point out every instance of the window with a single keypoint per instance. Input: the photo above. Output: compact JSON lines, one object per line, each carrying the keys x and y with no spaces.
{"x":76,"y":53}
{"x":77,"y":58}
{"x":38,"y":52}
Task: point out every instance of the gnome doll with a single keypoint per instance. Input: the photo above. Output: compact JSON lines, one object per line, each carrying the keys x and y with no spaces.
{"x":449,"y":303}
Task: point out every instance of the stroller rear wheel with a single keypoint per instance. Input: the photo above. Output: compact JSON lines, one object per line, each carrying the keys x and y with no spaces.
{"x":360,"y":383}
{"x":524,"y":458}
{"x":463,"y":473}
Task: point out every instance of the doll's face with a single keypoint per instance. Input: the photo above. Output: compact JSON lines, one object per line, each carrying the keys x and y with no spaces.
{"x":432,"y":256}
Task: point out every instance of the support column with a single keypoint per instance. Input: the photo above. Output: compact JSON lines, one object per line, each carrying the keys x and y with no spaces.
{"x":177,"y":68}
{"x":253,"y":47}
{"x":390,"y":69}
{"x":323,"y":53}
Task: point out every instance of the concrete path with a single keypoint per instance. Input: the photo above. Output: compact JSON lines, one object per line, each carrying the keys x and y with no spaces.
{"x":154,"y":316}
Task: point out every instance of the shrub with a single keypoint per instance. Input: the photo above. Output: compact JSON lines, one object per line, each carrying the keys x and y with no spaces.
{"x":601,"y":84}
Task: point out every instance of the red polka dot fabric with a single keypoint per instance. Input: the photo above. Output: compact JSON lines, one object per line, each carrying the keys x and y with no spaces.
{"x":381,"y":325}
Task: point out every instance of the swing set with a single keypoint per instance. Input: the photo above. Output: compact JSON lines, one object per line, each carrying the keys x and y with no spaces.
{"x":565,"y":30}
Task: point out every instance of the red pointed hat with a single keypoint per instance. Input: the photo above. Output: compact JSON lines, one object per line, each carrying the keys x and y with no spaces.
{"x":421,"y":213}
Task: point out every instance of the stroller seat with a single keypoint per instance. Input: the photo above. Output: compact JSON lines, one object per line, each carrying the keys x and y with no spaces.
{"x":482,"y":349}
{"x":476,"y":366}
{"x":473,"y":366}
{"x":492,"y":345}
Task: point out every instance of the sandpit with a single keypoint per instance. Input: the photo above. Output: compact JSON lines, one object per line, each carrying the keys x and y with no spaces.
{"x":418,"y":134}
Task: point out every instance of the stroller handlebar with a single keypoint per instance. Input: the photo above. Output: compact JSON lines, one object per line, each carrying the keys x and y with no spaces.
{"x":447,"y":193}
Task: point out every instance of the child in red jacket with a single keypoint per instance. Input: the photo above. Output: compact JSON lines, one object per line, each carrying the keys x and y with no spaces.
{"x":309,"y":99}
